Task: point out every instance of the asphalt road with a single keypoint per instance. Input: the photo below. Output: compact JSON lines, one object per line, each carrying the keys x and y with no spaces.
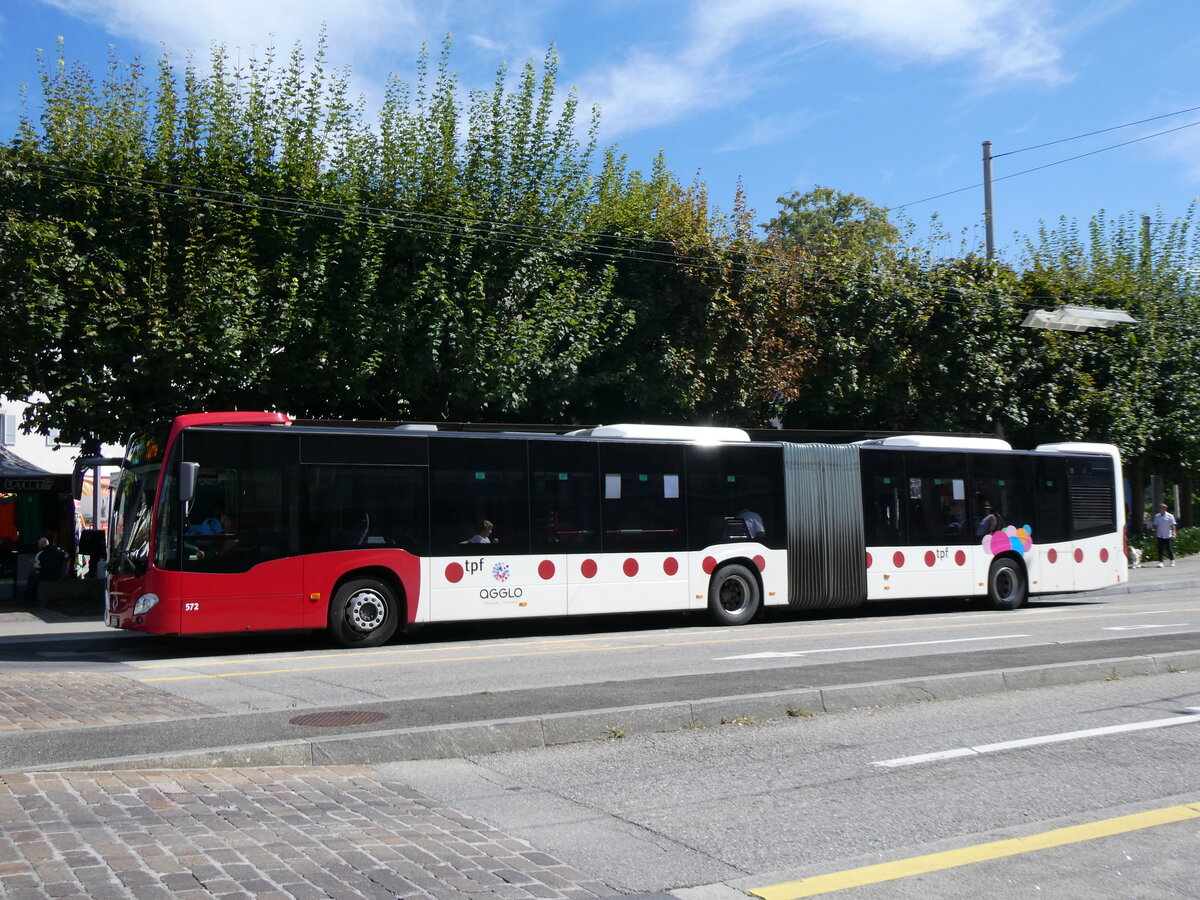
{"x":223,"y":701}
{"x":1092,"y":787}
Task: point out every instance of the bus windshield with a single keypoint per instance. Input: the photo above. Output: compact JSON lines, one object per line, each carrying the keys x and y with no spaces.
{"x":131,"y":518}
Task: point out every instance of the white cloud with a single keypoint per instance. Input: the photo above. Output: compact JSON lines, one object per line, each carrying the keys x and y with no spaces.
{"x":1006,"y":41}
{"x":647,"y":90}
{"x":767,"y":130}
{"x":364,"y":26}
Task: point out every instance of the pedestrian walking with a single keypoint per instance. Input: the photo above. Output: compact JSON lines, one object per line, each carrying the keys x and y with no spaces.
{"x":1165,"y":530}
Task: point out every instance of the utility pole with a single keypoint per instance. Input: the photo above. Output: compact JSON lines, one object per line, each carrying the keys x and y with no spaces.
{"x":1145,"y":245}
{"x":989,"y":225}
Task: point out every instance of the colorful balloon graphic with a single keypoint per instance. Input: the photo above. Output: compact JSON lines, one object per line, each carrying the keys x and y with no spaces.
{"x":1019,"y":540}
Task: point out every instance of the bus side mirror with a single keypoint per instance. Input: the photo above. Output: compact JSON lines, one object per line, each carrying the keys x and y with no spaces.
{"x":187,"y":481}
{"x":86,"y":463}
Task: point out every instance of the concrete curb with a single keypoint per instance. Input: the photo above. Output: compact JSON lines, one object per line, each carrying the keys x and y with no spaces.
{"x":534,"y":732}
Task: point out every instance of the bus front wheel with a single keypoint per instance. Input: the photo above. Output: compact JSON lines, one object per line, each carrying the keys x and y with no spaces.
{"x":733,"y":595}
{"x":363,"y":613}
{"x":1006,"y":584}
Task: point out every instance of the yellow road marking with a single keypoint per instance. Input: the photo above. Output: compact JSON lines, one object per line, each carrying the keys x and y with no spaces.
{"x":618,"y":642}
{"x":950,"y":859}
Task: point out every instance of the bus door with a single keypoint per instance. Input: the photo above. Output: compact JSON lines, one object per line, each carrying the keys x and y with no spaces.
{"x":239,"y":567}
{"x":1053,"y":566}
{"x":642,"y":565}
{"x":363,"y":517}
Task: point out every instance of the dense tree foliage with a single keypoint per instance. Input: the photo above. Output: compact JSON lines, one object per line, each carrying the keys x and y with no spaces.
{"x":250,"y":237}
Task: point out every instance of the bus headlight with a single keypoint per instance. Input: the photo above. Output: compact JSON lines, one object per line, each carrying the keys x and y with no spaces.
{"x":144,"y":604}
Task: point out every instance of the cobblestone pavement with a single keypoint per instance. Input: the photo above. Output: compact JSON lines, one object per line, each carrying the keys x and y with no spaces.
{"x":35,"y":700}
{"x":257,"y":833}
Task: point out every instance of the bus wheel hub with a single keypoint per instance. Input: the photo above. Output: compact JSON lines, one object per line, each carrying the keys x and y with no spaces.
{"x":366,"y":611}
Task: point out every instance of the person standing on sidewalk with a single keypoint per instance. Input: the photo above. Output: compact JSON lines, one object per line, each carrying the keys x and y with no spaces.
{"x":1164,"y":530}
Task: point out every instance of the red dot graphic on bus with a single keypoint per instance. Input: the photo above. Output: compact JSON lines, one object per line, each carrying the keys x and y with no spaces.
{"x":1078,"y":555}
{"x":930,"y":558}
{"x":670,"y":565}
{"x":1052,"y":555}
{"x":1103,"y":554}
{"x":630,"y":567}
{"x":588,"y":568}
{"x":870,"y":559}
{"x":708,"y":565}
{"x":960,"y":558}
{"x":761,"y":563}
{"x":546,"y":569}
{"x":898,"y":559}
{"x":454,"y":573}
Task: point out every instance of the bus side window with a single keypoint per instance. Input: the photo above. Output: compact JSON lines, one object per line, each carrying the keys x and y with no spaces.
{"x":477,"y":480}
{"x":937,"y":498}
{"x":642,"y":506}
{"x":734,"y":494}
{"x":884,"y":497}
{"x":564,"y":497}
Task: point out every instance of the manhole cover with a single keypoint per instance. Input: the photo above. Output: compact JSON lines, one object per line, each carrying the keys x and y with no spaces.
{"x":340,"y":717}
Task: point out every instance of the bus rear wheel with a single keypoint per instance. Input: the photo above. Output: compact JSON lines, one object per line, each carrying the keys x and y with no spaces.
{"x":363,"y":613}
{"x":733,"y":595}
{"x":1006,"y":585}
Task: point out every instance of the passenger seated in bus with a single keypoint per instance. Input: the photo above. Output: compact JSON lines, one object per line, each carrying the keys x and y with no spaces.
{"x":356,"y":524}
{"x":482,"y":535}
{"x":754,"y":523}
{"x":990,"y":522}
{"x":218,"y":523}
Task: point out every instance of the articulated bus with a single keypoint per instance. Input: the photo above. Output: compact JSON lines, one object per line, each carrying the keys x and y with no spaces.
{"x":232,"y":522}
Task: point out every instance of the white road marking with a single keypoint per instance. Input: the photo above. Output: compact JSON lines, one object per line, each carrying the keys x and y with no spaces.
{"x":1135,"y":627}
{"x":1188,"y":719}
{"x":771,"y":655}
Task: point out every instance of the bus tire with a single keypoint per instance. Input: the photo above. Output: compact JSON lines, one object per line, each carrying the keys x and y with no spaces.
{"x":733,"y":595}
{"x":363,"y":613}
{"x":1006,"y":584}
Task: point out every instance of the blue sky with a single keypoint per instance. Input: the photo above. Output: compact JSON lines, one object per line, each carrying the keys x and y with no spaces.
{"x":889,"y":99}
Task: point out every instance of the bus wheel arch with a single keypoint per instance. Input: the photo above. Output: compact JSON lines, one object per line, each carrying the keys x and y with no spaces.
{"x":366,"y":608}
{"x":734,"y":593}
{"x":1007,"y":583}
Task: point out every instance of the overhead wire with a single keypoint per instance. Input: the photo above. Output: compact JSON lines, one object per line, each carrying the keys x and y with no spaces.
{"x":1059,"y":162}
{"x":1076,"y":137}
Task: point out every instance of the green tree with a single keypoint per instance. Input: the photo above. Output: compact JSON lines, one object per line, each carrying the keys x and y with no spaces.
{"x":826,"y":221}
{"x":248,"y":238}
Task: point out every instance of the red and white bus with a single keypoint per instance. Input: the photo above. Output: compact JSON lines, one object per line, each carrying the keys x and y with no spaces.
{"x":231,"y":522}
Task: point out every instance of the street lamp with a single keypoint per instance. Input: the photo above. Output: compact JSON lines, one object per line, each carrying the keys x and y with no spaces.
{"x":1077,"y":318}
